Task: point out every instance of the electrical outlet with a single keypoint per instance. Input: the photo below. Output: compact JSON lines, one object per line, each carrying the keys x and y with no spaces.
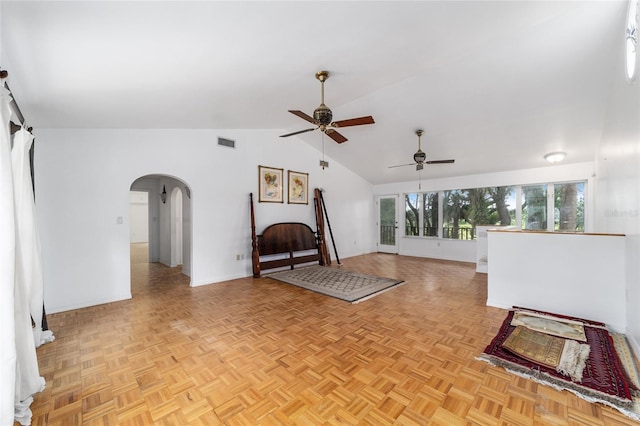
{"x":237,"y":257}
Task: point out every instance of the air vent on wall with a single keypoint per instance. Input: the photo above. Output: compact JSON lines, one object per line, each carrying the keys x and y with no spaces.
{"x":226,"y":142}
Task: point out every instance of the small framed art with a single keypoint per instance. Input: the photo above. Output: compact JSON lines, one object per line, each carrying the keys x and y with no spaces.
{"x":298,"y":187}
{"x":270,"y":185}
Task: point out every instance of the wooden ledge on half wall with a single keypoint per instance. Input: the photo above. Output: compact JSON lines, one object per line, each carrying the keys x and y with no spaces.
{"x":530,"y":231}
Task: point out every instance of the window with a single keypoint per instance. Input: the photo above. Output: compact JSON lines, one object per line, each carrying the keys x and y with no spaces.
{"x":568,"y":208}
{"x":456,"y":210}
{"x":430,"y":214}
{"x":534,"y":207}
{"x":411,"y":215}
{"x":421,"y":214}
{"x":544,"y":207}
{"x":503,"y":206}
{"x":464,"y":209}
{"x":564,"y":200}
{"x":492,"y":206}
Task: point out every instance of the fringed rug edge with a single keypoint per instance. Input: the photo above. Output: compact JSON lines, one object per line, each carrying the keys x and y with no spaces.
{"x":630,"y":408}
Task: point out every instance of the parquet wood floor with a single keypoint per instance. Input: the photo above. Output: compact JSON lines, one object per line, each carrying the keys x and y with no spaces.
{"x":255,"y":351}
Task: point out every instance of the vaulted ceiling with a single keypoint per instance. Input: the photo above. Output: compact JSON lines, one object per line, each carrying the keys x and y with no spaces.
{"x":495,"y":85}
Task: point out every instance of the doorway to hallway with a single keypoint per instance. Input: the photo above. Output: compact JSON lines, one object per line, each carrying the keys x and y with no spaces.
{"x":160,"y":229}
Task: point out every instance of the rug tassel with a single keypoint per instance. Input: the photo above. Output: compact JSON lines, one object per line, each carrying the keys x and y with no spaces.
{"x":573,"y":360}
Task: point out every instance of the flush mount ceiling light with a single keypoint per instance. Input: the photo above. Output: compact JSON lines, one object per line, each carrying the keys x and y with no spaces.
{"x":555,"y":157}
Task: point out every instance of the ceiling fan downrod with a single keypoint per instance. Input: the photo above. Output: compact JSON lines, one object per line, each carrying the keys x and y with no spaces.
{"x":419,"y":157}
{"x":322,"y":114}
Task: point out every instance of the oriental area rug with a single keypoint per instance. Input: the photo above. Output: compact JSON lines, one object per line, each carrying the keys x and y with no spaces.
{"x":598,"y":367}
{"x":350,"y":286}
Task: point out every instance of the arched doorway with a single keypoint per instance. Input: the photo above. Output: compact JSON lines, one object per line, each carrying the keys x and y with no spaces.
{"x":169,"y":220}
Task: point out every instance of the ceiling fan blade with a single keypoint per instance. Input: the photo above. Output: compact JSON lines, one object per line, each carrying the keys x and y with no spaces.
{"x":440,"y":162}
{"x":353,"y":122}
{"x":303,"y":116}
{"x":403,"y":165}
{"x":298,"y":132}
{"x":336,"y":136}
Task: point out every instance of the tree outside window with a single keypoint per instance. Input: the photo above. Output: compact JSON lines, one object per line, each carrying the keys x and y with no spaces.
{"x":421,"y":214}
{"x":412,"y":215}
{"x":569,"y":207}
{"x":468,"y":208}
{"x":464,"y":209}
{"x":504,"y":212}
{"x":534,"y":207}
{"x":456,"y":208}
{"x":430,"y":214}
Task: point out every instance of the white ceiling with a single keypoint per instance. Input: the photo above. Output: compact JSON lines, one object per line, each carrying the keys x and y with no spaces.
{"x":495,"y":85}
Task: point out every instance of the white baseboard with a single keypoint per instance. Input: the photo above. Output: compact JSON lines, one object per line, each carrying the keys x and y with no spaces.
{"x":54,"y":309}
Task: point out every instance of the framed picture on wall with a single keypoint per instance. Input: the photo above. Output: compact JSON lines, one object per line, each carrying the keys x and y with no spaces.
{"x":298,"y":187}
{"x":270,"y":185}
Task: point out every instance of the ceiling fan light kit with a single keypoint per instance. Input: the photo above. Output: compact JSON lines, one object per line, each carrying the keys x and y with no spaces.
{"x":420,"y":158}
{"x":323,"y":114}
{"x":323,"y":117}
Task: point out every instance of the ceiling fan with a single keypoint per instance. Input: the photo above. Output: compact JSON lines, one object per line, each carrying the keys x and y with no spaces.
{"x":322,"y":117}
{"x":419,"y":157}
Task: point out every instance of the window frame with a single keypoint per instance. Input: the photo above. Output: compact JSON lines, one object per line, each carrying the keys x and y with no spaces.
{"x":518,"y":196}
{"x":420,"y":207}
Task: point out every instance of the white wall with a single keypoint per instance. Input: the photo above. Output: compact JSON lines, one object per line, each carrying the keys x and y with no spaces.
{"x":85,"y":248}
{"x":617,"y":163}
{"x":465,"y":251}
{"x":581,"y":275}
{"x":139,"y":217}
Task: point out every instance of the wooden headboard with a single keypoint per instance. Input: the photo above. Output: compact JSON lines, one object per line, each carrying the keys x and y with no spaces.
{"x":296,"y":240}
{"x":288,"y":238}
{"x":285,"y":237}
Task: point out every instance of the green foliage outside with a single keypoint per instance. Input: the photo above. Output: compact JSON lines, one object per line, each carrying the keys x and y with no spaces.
{"x":464,"y":209}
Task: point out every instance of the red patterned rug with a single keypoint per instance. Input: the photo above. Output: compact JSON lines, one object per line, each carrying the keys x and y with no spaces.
{"x":604,"y":379}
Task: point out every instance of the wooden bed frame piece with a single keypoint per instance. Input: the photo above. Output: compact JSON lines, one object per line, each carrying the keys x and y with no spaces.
{"x":283,"y":238}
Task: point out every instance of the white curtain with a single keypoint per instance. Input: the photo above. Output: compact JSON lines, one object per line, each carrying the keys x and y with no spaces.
{"x":7,"y":268}
{"x":28,"y":280}
{"x":21,"y":283}
{"x":28,"y":254}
